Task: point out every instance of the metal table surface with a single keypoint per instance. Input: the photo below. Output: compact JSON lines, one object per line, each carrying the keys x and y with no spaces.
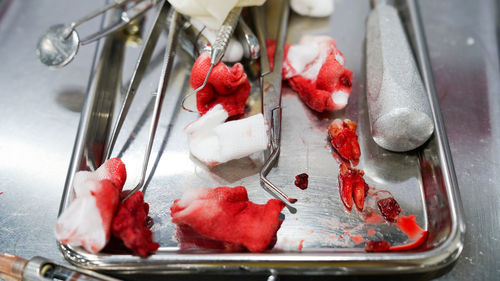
{"x":40,"y":110}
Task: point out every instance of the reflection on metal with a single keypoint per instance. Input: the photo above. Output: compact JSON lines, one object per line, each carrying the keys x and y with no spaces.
{"x":320,"y":218}
{"x":59,"y":44}
{"x":96,"y":120}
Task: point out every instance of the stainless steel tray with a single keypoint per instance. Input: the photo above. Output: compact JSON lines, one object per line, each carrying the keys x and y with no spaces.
{"x":318,"y":236}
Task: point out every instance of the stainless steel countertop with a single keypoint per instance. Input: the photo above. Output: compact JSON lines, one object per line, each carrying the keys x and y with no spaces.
{"x":40,"y":110}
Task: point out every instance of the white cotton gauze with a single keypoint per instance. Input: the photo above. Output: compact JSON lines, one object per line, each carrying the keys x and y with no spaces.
{"x":84,"y":181}
{"x":305,"y":59}
{"x":211,"y":12}
{"x":213,"y":142}
{"x":312,"y":8}
{"x":215,"y":116}
{"x":242,"y":137}
{"x":191,"y":195}
{"x":308,"y":56}
{"x":81,"y":225}
{"x":340,"y":98}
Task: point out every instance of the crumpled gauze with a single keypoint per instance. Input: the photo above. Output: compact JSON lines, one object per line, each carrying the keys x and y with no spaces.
{"x":228,"y":86}
{"x":213,"y":142}
{"x":314,"y":68}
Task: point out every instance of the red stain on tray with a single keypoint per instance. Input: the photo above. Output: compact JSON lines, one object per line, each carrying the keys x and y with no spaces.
{"x":301,"y":181}
{"x":371,"y":232}
{"x":420,"y":241}
{"x":377,"y":246}
{"x":357,"y":239}
{"x":301,"y":245}
{"x":372,"y":217}
{"x":409,"y":226}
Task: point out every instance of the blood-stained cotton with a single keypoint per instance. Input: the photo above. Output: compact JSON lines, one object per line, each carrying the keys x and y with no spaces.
{"x":87,"y":220}
{"x":225,"y":214}
{"x":228,"y":86}
{"x":130,"y":225}
{"x":314,"y":68}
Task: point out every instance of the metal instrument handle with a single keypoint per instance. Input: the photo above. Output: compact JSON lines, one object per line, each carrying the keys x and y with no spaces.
{"x":168,"y":62}
{"x":92,"y":15}
{"x":140,"y":69}
{"x":224,"y":35}
{"x":127,"y":16}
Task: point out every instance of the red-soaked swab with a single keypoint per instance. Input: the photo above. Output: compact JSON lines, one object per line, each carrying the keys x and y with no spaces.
{"x":315,"y":69}
{"x":87,"y":220}
{"x":214,"y":141}
{"x":228,"y":86}
{"x":225,"y":214}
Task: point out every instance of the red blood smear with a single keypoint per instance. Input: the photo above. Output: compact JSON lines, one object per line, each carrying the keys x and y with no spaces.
{"x":351,"y":186}
{"x":344,"y":139}
{"x":377,"y":246}
{"x":225,"y":214}
{"x":227,"y":86}
{"x":357,"y":239}
{"x":373,"y":218}
{"x":301,"y":245}
{"x":301,"y":181}
{"x":409,"y":226}
{"x":389,"y":208}
{"x":131,"y":225}
{"x":420,"y":241}
{"x":371,"y":232}
{"x":1,"y":192}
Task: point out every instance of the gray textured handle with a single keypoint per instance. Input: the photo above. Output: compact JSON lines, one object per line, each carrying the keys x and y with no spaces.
{"x":398,"y":106}
{"x":224,"y":35}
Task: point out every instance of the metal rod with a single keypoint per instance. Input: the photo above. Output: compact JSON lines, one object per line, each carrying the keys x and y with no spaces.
{"x":140,"y":69}
{"x":92,"y":15}
{"x":127,"y":16}
{"x":170,"y":50}
{"x":271,"y":94}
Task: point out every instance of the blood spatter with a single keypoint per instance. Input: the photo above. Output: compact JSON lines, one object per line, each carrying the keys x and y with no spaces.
{"x":301,"y":181}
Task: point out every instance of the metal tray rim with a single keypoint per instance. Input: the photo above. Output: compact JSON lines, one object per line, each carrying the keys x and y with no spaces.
{"x":342,"y":262}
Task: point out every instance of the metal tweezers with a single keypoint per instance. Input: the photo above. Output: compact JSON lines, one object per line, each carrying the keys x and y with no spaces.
{"x":271,"y":91}
{"x":140,"y":68}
